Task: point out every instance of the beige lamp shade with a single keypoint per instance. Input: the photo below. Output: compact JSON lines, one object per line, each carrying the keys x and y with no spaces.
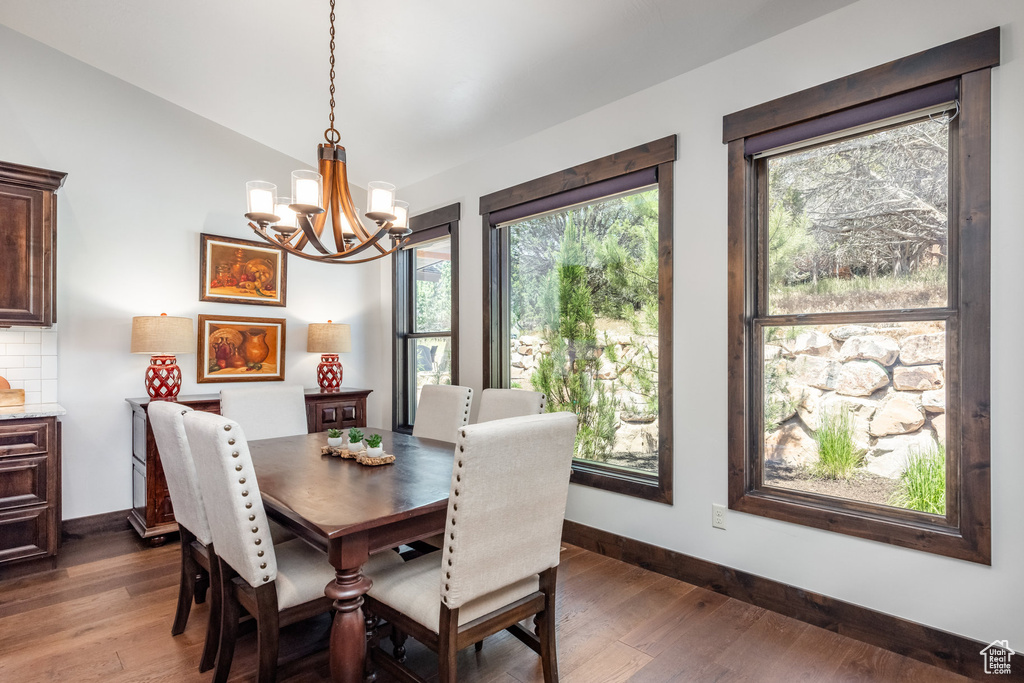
{"x":329,"y":337}
{"x":162,"y":335}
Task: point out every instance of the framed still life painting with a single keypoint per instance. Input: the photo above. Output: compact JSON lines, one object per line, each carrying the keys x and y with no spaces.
{"x":237,"y":349}
{"x":238,"y":271}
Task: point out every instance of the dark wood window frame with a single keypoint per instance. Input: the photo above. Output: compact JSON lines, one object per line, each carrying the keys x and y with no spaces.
{"x":965,"y":532}
{"x":659,"y":155}
{"x":425,"y":227}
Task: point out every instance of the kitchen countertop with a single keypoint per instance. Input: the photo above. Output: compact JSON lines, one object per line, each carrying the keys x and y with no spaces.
{"x":30,"y":410}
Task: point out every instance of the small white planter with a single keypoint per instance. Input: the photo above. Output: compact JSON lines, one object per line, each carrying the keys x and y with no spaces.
{"x":336,"y":443}
{"x":374,"y":452}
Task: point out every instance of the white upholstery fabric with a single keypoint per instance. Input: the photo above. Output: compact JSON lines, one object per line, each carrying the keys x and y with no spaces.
{"x":232,"y":496}
{"x":267,"y":411}
{"x":166,"y":419}
{"x":411,"y":587}
{"x":499,"y":404}
{"x":510,"y":481}
{"x":441,"y":411}
{"x":303,"y":571}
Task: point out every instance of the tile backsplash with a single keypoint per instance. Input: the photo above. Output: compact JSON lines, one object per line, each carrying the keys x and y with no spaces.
{"x":28,"y":359}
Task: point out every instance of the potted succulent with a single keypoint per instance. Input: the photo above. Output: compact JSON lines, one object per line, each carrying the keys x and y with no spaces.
{"x":373,"y":447}
{"x":355,"y":437}
{"x":335,"y":438}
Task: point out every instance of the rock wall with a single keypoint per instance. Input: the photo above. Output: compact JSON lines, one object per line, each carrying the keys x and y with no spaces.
{"x":636,"y":432}
{"x":889,"y":380}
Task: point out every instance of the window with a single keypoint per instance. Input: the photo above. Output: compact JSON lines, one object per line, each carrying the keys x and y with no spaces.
{"x":426,"y":288}
{"x":579,"y":272}
{"x":858,"y":303}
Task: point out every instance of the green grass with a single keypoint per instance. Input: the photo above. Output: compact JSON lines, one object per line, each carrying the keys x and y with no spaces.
{"x":838,"y":454}
{"x":922,"y":485}
{"x":921,"y":288}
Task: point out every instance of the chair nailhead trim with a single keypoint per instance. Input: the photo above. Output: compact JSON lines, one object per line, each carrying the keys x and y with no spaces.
{"x":460,"y":463}
{"x":244,"y":494}
{"x":252,"y":518}
{"x":241,"y":480}
{"x":265,"y":579}
{"x":258,"y":541}
{"x":234,"y":454}
{"x":263,"y":565}
{"x":227,"y":428}
{"x":259,"y":553}
{"x":238,"y":468}
{"x":449,"y":562}
{"x":231,"y":442}
{"x":255,"y":529}
{"x":248,"y":505}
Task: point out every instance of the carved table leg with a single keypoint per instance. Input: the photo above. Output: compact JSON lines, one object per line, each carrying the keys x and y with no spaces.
{"x":348,"y":633}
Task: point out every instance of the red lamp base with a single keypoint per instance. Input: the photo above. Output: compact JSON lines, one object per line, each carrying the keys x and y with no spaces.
{"x":328,"y":373}
{"x":163,"y":378}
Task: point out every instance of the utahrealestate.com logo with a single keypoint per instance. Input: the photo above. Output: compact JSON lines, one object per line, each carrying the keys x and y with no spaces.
{"x":997,"y":657}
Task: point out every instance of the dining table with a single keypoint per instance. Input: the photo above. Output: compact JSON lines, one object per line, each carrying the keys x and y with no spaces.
{"x":351,"y":511}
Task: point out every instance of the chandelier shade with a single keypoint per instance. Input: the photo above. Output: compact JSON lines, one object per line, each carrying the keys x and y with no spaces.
{"x":320,"y":197}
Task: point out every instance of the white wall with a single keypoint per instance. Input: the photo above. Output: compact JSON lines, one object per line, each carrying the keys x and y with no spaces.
{"x":145,"y":178}
{"x":981,"y":602}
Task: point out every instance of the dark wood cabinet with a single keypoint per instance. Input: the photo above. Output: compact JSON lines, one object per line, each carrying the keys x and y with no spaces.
{"x":152,"y":514}
{"x":30,"y":511}
{"x":28,"y":244}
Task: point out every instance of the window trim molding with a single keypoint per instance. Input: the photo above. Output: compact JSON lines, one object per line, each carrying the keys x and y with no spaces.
{"x":965,"y":533}
{"x":659,"y":154}
{"x":444,"y":219}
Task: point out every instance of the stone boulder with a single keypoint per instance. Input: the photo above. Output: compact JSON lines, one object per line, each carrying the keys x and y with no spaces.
{"x":860,"y":378}
{"x":890,"y":455}
{"x":898,"y":415}
{"x":811,"y":343}
{"x":876,"y":347}
{"x":923,"y":349}
{"x":815,"y":371}
{"x":607,"y":370}
{"x":934,"y":400}
{"x":791,"y":445}
{"x":918,"y":378}
{"x":636,"y":437}
{"x":841,"y":334}
{"x":807,"y":404}
{"x":939,"y":425}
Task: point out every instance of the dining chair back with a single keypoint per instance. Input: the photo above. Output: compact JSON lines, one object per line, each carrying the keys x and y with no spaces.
{"x":441,"y":410}
{"x":492,"y":574}
{"x":266,"y":412}
{"x":197,"y":557}
{"x":499,"y":404}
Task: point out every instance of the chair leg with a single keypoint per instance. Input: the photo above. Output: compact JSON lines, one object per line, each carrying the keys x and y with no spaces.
{"x":447,"y":643}
{"x":229,"y":614}
{"x":267,"y":632}
{"x":398,"y":640}
{"x":186,"y":588}
{"x":546,"y":628}
{"x":209,"y":657}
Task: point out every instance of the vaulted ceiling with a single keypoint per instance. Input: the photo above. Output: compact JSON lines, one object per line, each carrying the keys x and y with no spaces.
{"x":422,"y":85}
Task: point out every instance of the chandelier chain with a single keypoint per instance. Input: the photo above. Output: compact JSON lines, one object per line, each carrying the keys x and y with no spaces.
{"x":331,"y":134}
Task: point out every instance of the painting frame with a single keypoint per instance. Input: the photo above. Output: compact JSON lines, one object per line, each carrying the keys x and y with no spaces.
{"x":232,"y":343}
{"x":247,"y":277}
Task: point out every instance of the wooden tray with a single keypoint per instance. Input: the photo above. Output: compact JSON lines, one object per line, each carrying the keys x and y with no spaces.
{"x":12,"y":397}
{"x":359,"y":456}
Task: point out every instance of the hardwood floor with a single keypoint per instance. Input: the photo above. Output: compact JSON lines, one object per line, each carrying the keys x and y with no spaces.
{"x":104,"y":614}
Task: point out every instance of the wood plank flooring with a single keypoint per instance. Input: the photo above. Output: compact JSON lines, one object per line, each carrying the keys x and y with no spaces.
{"x":104,"y":614}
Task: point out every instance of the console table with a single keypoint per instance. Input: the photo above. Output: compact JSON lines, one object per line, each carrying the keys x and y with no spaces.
{"x":152,"y":515}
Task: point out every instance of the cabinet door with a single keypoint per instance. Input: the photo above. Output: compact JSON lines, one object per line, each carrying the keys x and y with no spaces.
{"x":22,"y":482}
{"x":26,"y":255}
{"x":26,"y":533}
{"x":340,"y":414}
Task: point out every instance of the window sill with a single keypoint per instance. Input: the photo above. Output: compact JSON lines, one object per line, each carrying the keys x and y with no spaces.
{"x":620,"y":480}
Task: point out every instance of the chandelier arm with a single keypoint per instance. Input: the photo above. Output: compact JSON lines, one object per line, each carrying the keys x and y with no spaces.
{"x":331,"y":258}
{"x":311,"y":236}
{"x":367,"y":243}
{"x":370,"y":258}
{"x":333,"y":204}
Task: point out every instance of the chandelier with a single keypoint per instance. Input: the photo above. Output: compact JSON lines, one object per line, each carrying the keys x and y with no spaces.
{"x":298,"y":221}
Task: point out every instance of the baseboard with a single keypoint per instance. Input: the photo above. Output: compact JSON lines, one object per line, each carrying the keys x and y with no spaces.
{"x":926,"y":644}
{"x":96,"y":524}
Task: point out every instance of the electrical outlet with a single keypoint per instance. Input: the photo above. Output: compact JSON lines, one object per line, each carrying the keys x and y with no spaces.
{"x":718,"y":516}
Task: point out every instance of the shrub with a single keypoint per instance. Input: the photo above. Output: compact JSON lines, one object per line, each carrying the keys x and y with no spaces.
{"x":922,"y":485}
{"x":373,"y":440}
{"x":838,"y":454}
{"x":355,"y":435}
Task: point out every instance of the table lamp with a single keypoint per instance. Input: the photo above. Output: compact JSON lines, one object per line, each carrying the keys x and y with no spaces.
{"x":329,"y":339}
{"x":162,"y":336}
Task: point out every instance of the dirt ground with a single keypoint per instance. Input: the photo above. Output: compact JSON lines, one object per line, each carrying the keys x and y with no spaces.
{"x":863,"y":486}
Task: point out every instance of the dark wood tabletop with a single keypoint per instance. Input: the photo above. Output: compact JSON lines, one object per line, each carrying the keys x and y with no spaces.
{"x":351,"y":511}
{"x":322,"y":497}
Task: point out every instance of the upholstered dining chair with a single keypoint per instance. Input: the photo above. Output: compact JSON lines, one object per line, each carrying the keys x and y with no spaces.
{"x":498,"y":404}
{"x":441,"y":410}
{"x":198,"y":561}
{"x":276,"y":584}
{"x":491,"y":574}
{"x":266,"y":411}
